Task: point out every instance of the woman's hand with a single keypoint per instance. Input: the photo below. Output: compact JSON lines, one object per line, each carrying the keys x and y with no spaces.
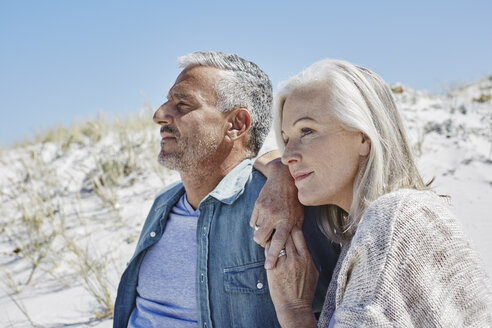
{"x":292,"y":283}
{"x":277,"y":208}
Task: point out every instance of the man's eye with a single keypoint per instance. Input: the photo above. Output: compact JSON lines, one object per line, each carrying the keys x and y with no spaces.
{"x":180,"y":105}
{"x":306,"y":131}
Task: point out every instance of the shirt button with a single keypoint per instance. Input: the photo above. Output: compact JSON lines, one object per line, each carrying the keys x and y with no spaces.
{"x":259,"y":285}
{"x":152,"y":234}
{"x":202,"y":276}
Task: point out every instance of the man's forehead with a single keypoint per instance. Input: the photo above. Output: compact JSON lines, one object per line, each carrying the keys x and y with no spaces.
{"x":196,"y":78}
{"x":191,"y":93}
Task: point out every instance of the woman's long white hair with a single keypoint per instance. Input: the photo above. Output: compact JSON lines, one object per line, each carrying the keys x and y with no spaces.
{"x":362,"y":101}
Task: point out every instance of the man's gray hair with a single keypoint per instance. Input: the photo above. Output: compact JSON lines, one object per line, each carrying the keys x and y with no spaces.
{"x":244,"y":85}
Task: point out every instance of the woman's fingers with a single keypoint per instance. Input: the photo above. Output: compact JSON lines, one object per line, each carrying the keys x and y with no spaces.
{"x":295,"y":245}
{"x":254,"y":217}
{"x":292,"y":282}
{"x":290,"y":248}
{"x":267,"y":247}
{"x":262,"y":228}
{"x":277,"y":210}
{"x":263,"y":232}
{"x":278,"y":241}
{"x":299,"y":242}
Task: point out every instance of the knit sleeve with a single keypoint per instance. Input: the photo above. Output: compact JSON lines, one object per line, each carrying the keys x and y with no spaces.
{"x":410,"y":265}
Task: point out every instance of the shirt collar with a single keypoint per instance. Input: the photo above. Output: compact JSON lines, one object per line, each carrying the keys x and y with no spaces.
{"x":232,"y":185}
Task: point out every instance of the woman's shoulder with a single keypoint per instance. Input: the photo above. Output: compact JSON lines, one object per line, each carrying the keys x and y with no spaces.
{"x":389,"y":233}
{"x":410,"y":196}
{"x":413,"y":243}
{"x":409,"y":243}
{"x":406,"y":203}
{"x":399,"y":216}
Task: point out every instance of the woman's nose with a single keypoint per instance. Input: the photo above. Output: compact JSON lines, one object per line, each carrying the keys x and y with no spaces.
{"x":290,"y":155}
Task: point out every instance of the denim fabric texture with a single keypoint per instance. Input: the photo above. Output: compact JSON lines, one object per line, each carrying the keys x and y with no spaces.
{"x":231,"y":283}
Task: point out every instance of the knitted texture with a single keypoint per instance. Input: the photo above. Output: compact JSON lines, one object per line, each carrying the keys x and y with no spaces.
{"x":408,"y":265}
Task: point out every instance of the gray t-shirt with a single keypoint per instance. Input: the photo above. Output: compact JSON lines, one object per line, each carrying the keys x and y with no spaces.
{"x":166,"y":281}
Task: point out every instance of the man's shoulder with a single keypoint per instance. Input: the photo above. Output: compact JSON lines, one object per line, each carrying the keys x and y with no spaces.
{"x":255,"y":182}
{"x":243,"y":183}
{"x":257,"y":176}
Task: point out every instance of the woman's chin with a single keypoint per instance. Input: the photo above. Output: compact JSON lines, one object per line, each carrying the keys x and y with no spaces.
{"x":308,"y":198}
{"x":308,"y":201}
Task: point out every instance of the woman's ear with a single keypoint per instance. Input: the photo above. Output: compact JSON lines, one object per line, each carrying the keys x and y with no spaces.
{"x":239,"y":122}
{"x":365,"y":145}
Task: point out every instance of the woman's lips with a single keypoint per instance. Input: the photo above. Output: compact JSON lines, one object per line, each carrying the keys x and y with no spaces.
{"x":301,"y":176}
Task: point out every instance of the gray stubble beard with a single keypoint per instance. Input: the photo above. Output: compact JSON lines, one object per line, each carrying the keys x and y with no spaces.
{"x":187,"y":157}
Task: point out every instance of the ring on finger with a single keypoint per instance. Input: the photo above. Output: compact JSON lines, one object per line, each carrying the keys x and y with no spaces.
{"x":282,"y":252}
{"x":257,"y":227}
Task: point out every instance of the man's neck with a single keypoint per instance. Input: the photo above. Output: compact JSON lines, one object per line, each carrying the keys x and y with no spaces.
{"x":200,"y":181}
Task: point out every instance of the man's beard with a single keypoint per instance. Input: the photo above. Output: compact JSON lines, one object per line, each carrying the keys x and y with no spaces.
{"x":188,"y":152}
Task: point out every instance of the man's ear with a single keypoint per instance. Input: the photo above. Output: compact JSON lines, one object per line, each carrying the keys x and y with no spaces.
{"x":239,"y":122}
{"x":365,"y":145}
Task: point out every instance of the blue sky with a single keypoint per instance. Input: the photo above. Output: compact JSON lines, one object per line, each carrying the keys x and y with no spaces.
{"x":62,"y":61}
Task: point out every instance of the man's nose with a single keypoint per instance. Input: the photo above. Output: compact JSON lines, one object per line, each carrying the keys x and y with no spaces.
{"x":162,"y":115}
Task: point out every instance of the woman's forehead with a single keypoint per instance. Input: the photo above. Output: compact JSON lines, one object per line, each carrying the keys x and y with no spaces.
{"x":315,"y":96}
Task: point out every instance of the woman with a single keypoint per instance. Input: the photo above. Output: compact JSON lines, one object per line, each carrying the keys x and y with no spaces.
{"x":404,"y":260}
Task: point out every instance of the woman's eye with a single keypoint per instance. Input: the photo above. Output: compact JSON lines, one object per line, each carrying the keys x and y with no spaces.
{"x":306,"y":131}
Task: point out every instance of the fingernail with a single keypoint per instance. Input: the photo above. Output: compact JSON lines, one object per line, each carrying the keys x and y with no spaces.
{"x":268,"y":265}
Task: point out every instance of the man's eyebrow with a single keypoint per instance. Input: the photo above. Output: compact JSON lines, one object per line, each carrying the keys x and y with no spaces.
{"x":180,"y":95}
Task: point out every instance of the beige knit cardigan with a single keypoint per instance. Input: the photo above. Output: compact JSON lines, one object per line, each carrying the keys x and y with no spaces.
{"x":408,"y":265}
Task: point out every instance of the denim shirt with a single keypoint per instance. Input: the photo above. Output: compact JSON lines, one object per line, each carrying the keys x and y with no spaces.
{"x":231,"y":283}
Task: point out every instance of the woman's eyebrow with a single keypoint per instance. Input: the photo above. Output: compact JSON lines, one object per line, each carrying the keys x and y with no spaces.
{"x":298,"y":120}
{"x":303,"y":118}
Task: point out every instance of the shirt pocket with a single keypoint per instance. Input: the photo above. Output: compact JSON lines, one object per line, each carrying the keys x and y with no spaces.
{"x":248,"y":297}
{"x":248,"y":278}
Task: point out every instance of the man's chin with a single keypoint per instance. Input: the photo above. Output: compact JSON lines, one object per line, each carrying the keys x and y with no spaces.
{"x":170,"y":161}
{"x":166,"y":160}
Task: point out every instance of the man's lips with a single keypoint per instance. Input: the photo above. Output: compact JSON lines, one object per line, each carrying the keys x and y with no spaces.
{"x":166,"y":137}
{"x":168,"y":133}
{"x":301,"y":176}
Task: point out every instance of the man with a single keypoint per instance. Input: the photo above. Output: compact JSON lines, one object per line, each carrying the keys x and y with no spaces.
{"x":196,"y":263}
